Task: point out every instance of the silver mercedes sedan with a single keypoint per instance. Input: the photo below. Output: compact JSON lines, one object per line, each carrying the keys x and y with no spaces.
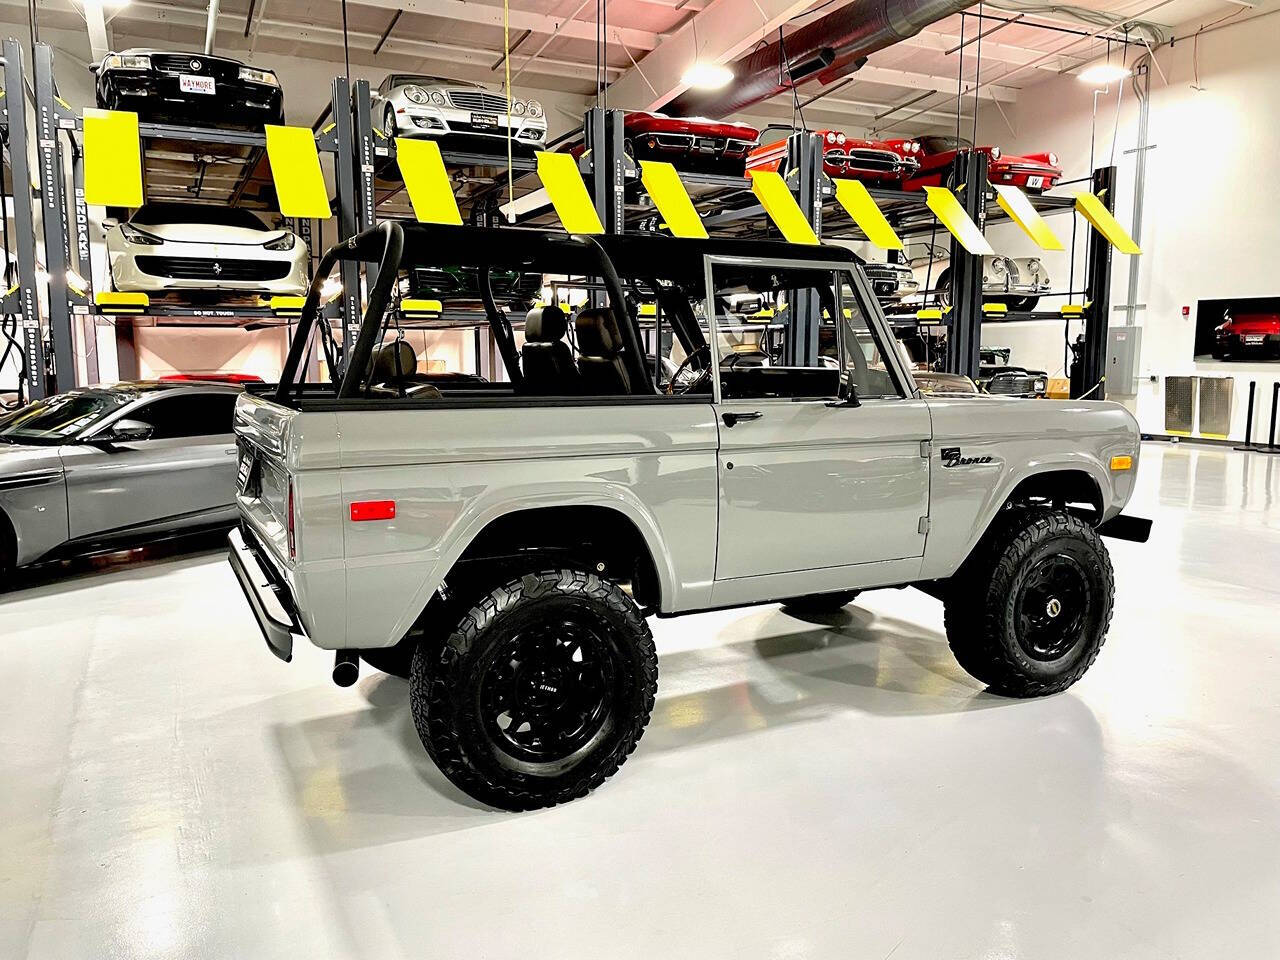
{"x":100,"y":468}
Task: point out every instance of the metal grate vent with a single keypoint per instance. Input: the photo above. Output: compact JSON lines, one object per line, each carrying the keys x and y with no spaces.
{"x":478,"y":100}
{"x":1179,"y":405}
{"x":1215,"y":406}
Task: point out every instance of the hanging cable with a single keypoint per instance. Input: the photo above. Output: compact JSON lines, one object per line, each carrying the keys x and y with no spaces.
{"x":960,"y":76}
{"x":977,"y":78}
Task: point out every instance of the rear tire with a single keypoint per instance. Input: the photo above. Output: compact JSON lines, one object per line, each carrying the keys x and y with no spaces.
{"x":821,"y":602}
{"x":944,"y":288}
{"x":540,"y":693}
{"x":1029,"y":610}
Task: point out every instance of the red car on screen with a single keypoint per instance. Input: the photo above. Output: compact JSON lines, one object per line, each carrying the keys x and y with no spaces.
{"x":1034,"y":173}
{"x":689,"y":143}
{"x":874,"y":161}
{"x":1248,"y":336}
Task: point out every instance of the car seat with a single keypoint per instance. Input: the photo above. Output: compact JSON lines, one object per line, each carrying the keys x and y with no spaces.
{"x":600,"y":353}
{"x":545,"y":358}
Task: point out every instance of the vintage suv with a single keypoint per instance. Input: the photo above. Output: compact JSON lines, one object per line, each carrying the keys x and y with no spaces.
{"x":501,"y":544}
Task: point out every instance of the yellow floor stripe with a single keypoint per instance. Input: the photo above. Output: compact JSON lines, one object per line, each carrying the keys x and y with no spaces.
{"x":947,"y":208}
{"x":1016,"y":204}
{"x":295,"y":168}
{"x":559,"y":175}
{"x":1095,"y":211}
{"x":780,"y":204}
{"x":857,"y":201}
{"x":112,"y":158}
{"x":427,"y":182}
{"x":671,"y":199}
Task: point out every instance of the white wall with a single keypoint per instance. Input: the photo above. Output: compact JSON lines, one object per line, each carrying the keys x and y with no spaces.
{"x":1211,"y":203}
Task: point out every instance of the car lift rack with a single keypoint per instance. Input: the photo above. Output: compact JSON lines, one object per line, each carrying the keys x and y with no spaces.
{"x":362,"y":154}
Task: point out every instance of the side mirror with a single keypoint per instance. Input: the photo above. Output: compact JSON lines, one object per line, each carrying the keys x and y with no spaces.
{"x":127,"y":431}
{"x":95,"y":67}
{"x":110,"y":223}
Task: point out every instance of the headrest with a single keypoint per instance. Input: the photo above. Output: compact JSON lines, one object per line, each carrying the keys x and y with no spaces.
{"x":598,"y":334}
{"x":384,"y":361}
{"x":545,"y":325}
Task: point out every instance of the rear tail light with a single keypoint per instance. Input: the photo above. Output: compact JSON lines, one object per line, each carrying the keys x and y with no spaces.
{"x":289,"y":526}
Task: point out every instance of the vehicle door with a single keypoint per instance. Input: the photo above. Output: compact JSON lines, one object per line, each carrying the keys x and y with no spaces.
{"x":183,"y":474}
{"x":823,"y":460}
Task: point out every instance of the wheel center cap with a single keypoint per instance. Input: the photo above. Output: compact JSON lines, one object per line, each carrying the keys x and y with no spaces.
{"x":543,"y":688}
{"x":1053,"y":607}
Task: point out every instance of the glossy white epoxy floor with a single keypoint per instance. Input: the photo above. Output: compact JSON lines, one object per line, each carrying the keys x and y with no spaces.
{"x":168,"y":789}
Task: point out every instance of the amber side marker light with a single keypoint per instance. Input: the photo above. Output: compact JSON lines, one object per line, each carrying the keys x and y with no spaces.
{"x":1122,"y":463}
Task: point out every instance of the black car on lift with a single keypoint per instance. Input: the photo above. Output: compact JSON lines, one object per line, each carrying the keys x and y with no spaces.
{"x":170,"y":86}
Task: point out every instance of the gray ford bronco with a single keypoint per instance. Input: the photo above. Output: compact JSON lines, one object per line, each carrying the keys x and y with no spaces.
{"x":718,"y":423}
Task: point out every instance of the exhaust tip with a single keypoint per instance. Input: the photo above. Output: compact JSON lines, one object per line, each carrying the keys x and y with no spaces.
{"x":346,"y":668}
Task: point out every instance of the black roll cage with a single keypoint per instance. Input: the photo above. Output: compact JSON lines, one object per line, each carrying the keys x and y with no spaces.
{"x":394,"y":246}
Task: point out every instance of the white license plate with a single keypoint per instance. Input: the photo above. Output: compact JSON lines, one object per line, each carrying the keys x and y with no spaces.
{"x":1035,"y":183}
{"x":484,"y":119}
{"x":244,"y":471}
{"x":1254,"y":338}
{"x":190,"y":84}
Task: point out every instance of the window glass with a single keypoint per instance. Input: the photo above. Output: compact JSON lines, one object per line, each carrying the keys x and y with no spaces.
{"x":58,"y":418}
{"x":760,"y":312}
{"x":189,"y":415}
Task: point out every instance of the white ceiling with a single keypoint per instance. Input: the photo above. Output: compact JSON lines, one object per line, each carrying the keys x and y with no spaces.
{"x":465,"y":38}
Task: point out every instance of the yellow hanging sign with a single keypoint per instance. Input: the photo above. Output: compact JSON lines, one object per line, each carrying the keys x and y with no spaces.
{"x":1096,"y":212}
{"x":858,"y":202}
{"x":295,"y":168}
{"x":671,"y":199}
{"x":780,"y":204}
{"x":427,"y":182}
{"x":951,"y":213}
{"x":559,"y":175}
{"x":112,"y":158}
{"x":1018,"y":206}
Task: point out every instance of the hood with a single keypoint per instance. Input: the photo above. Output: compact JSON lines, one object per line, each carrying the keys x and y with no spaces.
{"x":645,"y":122}
{"x":203,"y":233}
{"x":19,"y":459}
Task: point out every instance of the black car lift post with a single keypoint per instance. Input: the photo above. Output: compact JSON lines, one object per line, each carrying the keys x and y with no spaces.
{"x":1097,"y":298}
{"x":27,"y":306}
{"x":345,"y":177}
{"x":806,"y":180}
{"x":964,"y":334}
{"x":57,"y":243}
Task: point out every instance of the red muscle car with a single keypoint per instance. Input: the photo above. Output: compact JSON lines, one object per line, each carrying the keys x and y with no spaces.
{"x":1250,"y":335}
{"x":689,"y":143}
{"x":874,"y":161}
{"x":1034,"y":173}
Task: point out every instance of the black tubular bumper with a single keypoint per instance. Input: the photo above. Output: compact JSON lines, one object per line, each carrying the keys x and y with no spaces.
{"x":269,"y":599}
{"x":1124,"y":527}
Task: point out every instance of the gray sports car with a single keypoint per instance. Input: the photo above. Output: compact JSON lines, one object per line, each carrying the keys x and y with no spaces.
{"x":104,"y":467}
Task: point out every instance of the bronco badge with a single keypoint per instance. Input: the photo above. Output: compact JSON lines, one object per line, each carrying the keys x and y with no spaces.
{"x":951,"y":458}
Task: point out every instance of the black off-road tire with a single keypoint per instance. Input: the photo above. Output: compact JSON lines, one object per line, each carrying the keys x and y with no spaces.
{"x":821,"y":602}
{"x":943,"y":286}
{"x":450,"y":682}
{"x":999,"y":590}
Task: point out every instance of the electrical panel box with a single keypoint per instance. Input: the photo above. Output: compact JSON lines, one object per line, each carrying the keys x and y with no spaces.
{"x":1124,"y":345}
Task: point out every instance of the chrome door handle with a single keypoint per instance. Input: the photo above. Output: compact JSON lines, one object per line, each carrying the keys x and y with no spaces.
{"x":732,"y":418}
{"x":230,"y":451}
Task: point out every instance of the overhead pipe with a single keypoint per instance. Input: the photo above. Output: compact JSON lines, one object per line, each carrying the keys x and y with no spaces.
{"x":828,"y":48}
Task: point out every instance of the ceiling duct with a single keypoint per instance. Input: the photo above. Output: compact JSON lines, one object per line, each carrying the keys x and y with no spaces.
{"x":828,"y":48}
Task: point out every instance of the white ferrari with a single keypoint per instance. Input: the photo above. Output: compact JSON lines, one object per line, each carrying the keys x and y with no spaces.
{"x":182,"y":248}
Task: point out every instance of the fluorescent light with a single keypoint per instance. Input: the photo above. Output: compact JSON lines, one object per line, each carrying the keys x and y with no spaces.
{"x":707,"y":76}
{"x":1101,"y":74}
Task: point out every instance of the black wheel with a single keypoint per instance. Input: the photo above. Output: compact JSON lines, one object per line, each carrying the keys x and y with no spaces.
{"x":1029,"y":610}
{"x":1023,"y":304}
{"x":943,"y":287}
{"x":389,"y":122}
{"x":8,"y":550}
{"x":395,"y":661}
{"x":541,"y":692}
{"x":821,"y":602}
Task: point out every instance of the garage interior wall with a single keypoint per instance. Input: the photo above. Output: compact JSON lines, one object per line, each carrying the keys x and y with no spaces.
{"x":1209,"y":228}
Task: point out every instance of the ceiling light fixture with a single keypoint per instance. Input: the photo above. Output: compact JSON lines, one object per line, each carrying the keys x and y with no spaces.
{"x":707,"y":76}
{"x":1102,"y":74}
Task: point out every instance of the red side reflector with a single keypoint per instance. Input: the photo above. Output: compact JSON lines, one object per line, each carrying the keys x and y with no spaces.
{"x":373,"y":510}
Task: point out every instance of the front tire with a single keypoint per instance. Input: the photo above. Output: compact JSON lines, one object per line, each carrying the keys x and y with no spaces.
{"x":540,"y":693}
{"x":1029,"y":610}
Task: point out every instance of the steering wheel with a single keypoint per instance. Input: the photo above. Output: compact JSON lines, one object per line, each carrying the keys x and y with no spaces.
{"x":697,"y":381}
